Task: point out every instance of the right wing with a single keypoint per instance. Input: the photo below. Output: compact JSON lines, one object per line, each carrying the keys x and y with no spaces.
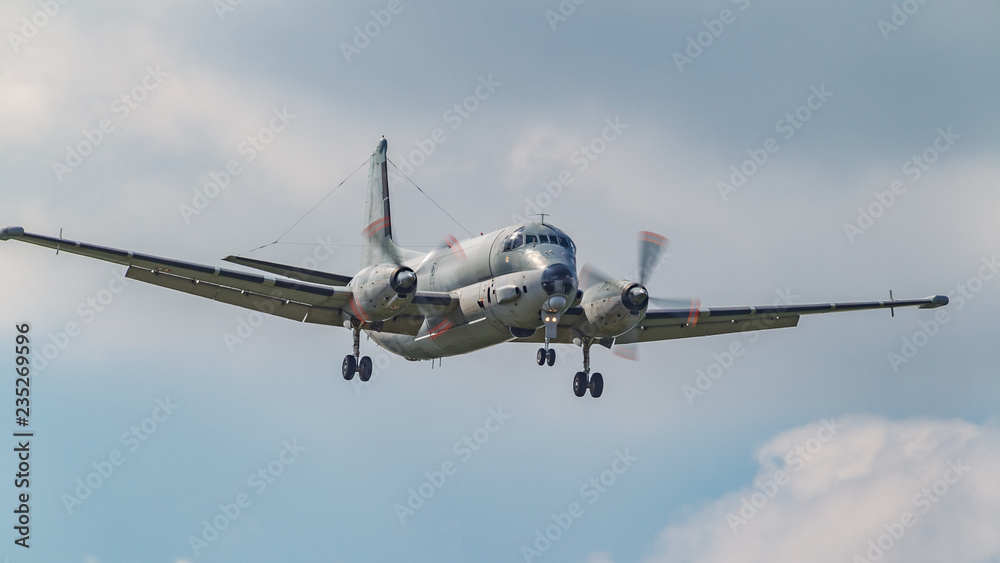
{"x":296,"y":300}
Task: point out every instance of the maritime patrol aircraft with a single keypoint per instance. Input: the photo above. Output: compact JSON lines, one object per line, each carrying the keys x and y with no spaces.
{"x":517,"y":284}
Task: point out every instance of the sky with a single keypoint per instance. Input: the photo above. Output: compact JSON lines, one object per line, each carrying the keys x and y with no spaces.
{"x":791,"y":152}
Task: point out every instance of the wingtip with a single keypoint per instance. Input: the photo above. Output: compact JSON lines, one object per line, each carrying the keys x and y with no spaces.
{"x":936,"y":301}
{"x":8,"y":233}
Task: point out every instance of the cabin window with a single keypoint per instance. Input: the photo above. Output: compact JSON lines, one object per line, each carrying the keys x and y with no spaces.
{"x":531,"y":239}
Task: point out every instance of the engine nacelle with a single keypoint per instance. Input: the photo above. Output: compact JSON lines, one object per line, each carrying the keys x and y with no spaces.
{"x":613,"y":308}
{"x":382,"y":292}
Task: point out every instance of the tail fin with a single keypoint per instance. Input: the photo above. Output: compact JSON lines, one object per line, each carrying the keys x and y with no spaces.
{"x":378,"y":246}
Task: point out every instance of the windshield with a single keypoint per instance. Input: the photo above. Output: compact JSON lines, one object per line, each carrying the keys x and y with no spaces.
{"x":537,"y":234}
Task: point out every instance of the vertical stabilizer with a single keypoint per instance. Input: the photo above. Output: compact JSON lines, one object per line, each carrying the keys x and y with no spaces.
{"x":378,"y":246}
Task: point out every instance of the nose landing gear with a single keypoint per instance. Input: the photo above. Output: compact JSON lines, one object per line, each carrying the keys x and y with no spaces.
{"x":545,"y":356}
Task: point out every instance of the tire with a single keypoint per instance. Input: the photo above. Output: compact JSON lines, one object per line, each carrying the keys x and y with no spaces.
{"x":580,"y":384}
{"x":550,"y":357}
{"x":350,"y":367}
{"x":540,"y":357}
{"x":365,"y":368}
{"x":596,"y":385}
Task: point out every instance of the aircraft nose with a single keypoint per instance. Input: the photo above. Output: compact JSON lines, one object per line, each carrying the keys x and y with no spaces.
{"x":558,"y":279}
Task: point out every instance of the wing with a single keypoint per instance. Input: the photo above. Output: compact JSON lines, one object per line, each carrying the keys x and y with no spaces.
{"x":668,"y":324}
{"x":292,"y":299}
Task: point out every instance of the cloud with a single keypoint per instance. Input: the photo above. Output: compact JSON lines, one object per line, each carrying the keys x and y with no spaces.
{"x":855,"y":489}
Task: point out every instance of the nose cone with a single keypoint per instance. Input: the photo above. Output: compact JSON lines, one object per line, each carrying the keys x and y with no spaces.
{"x":404,"y":280}
{"x":559,"y":279}
{"x":635,"y":297}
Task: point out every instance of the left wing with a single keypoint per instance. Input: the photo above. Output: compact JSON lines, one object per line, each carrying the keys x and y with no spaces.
{"x":668,"y":324}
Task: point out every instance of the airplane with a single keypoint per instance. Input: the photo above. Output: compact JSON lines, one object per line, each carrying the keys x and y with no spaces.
{"x":516,"y":284}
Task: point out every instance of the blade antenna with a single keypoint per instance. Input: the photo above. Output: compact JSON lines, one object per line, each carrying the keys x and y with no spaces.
{"x":892,"y":310}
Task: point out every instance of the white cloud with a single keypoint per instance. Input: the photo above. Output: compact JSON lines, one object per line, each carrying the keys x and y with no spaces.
{"x":855,"y":488}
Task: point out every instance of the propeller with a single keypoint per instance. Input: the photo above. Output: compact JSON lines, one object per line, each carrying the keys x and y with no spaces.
{"x":449,"y":241}
{"x":652,"y":257}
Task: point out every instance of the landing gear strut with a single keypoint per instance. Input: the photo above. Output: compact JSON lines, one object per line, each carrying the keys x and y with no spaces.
{"x":584,"y":380}
{"x":353,"y":363}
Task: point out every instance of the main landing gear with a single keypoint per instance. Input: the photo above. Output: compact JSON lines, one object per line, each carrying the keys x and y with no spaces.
{"x":352,"y":364}
{"x":584,"y":380}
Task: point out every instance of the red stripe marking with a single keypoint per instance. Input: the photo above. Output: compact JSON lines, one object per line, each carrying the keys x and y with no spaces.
{"x":438,"y":331}
{"x":456,"y":248}
{"x":376,"y":226}
{"x":695,"y":313}
{"x":357,"y":310}
{"x":625,"y":353}
{"x":648,"y":236}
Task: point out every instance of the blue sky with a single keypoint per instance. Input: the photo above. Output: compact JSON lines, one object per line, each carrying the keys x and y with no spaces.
{"x":866,"y":137}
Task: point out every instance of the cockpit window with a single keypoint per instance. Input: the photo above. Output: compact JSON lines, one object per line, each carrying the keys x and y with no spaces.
{"x":518,"y":238}
{"x":515,"y":240}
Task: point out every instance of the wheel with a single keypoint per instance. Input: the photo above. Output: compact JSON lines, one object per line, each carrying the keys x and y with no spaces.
{"x":350,"y":367}
{"x":596,"y":385}
{"x":365,"y":368}
{"x":580,"y":384}
{"x":550,"y":357}
{"x":540,"y":356}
